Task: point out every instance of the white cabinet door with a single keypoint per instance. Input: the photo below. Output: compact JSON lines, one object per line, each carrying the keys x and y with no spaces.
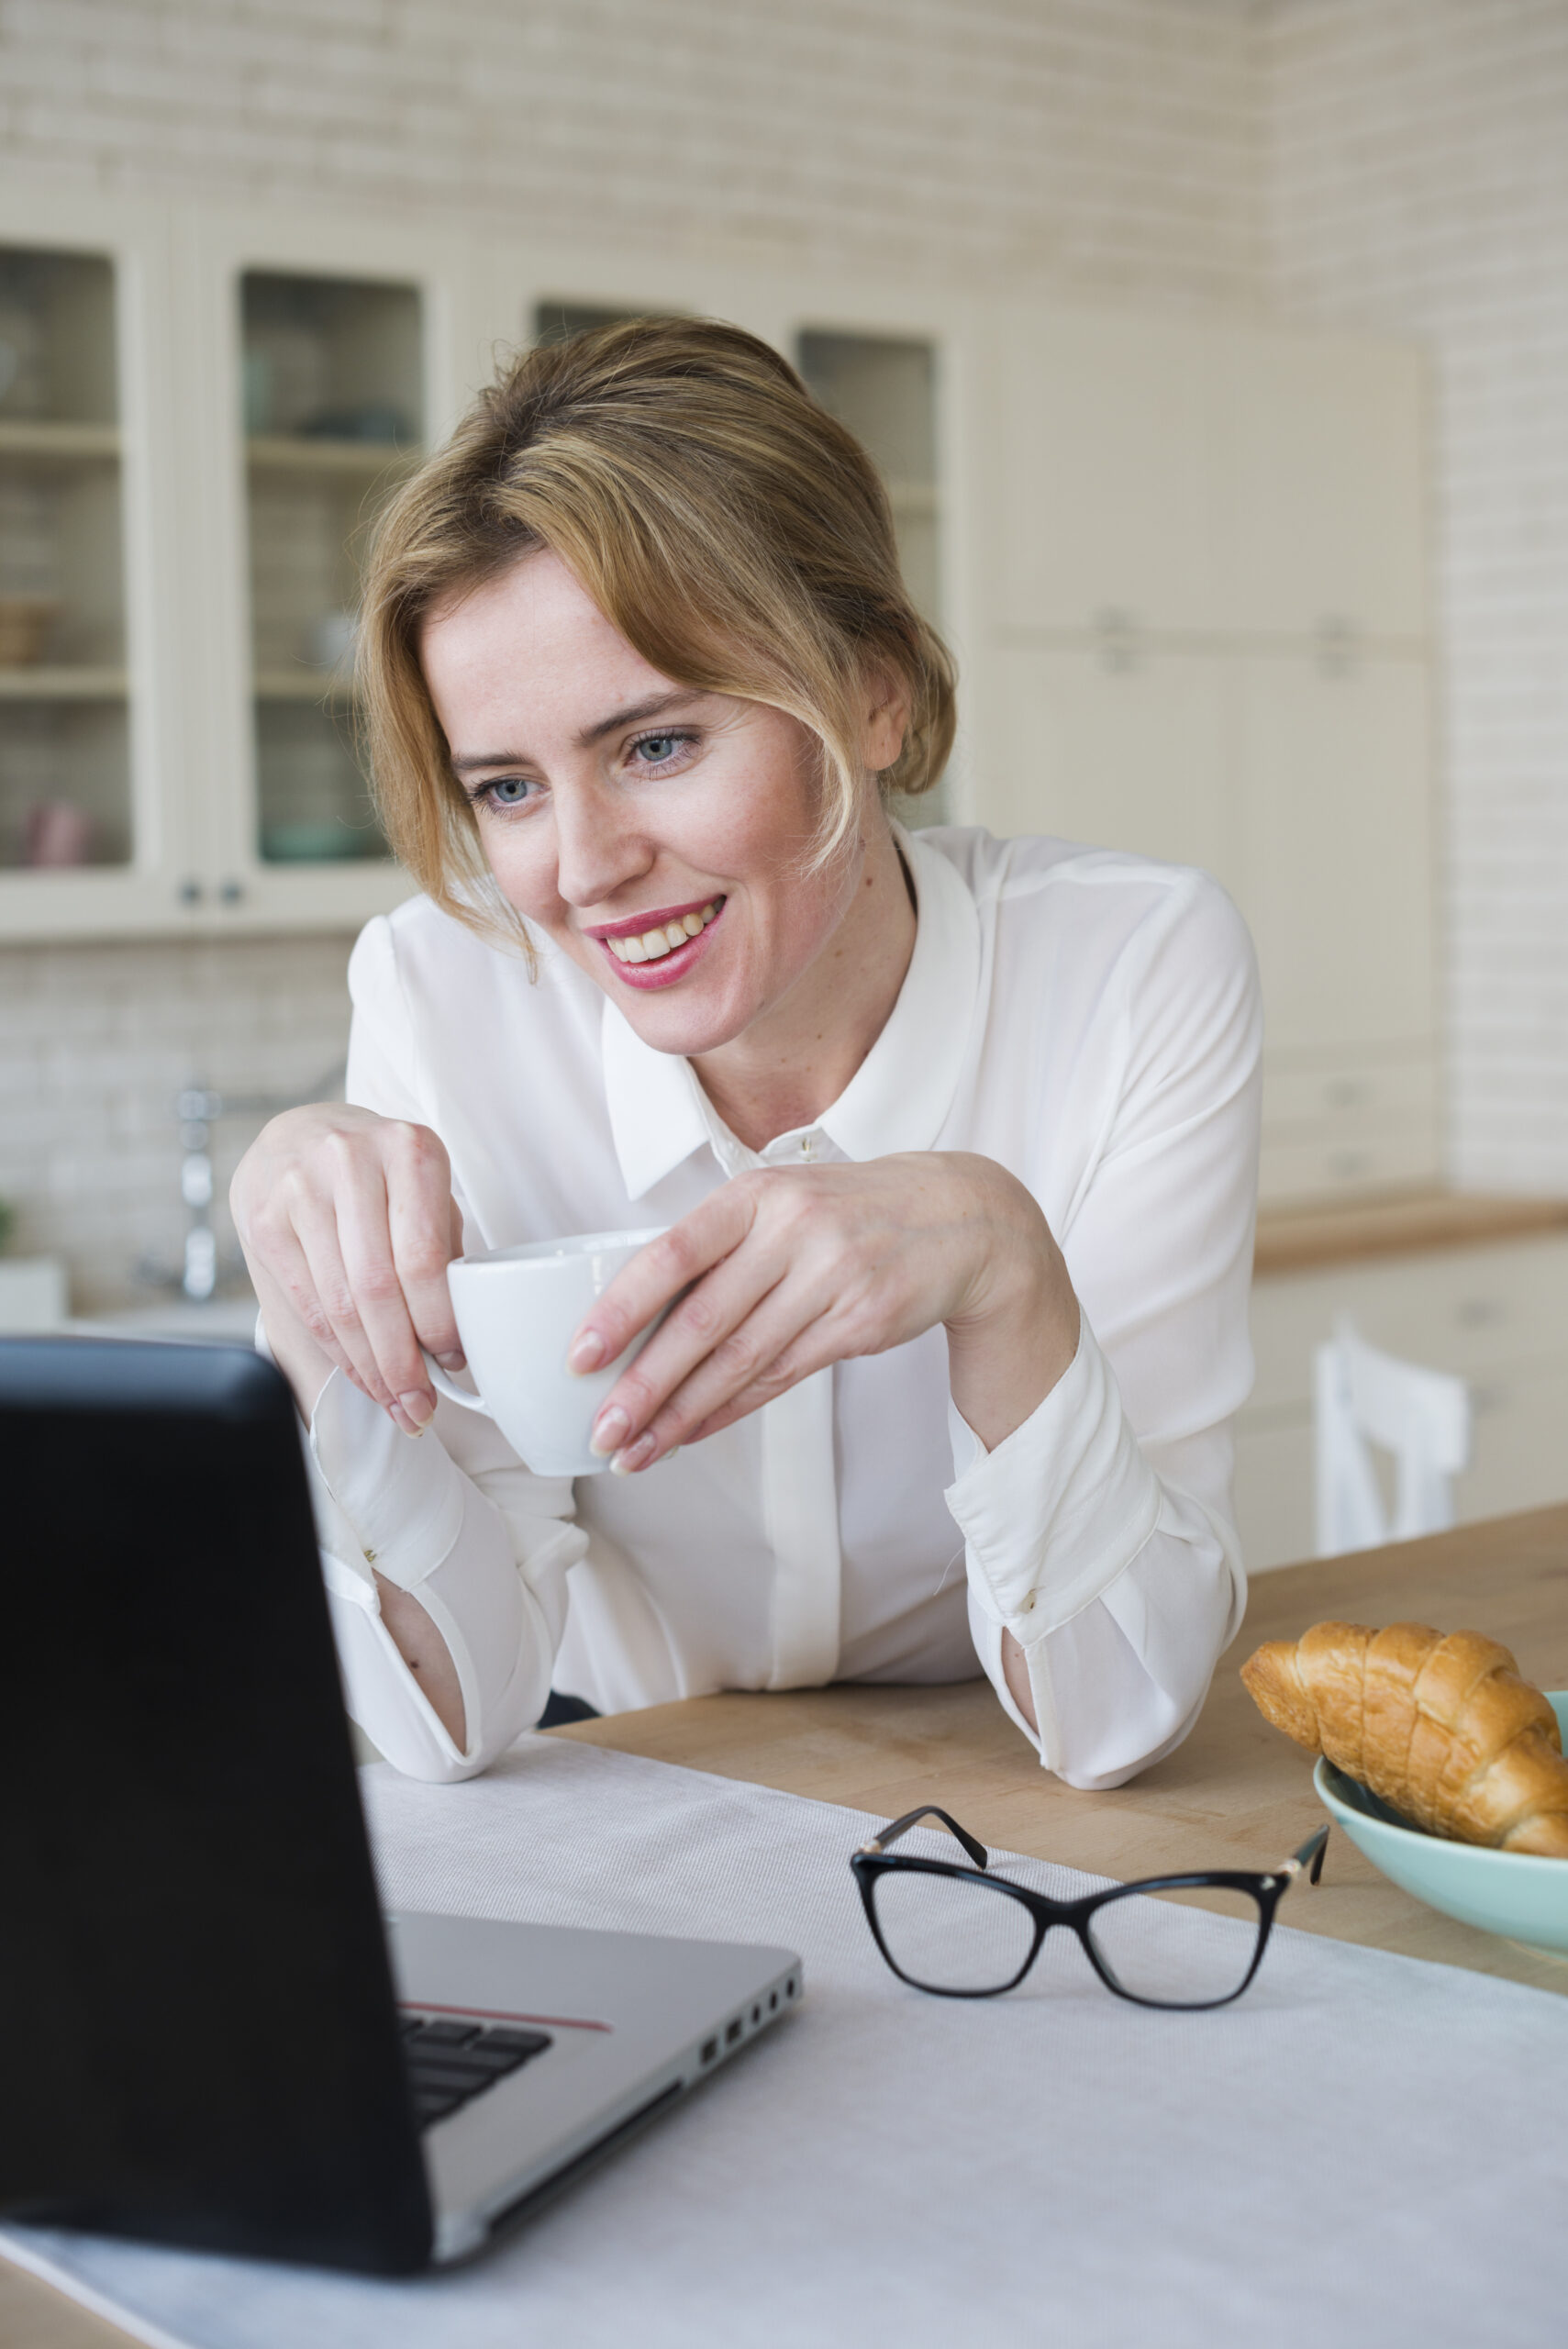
{"x":1322,"y":501}
{"x":1335,"y":871}
{"x":1097,"y":459}
{"x":1131,"y":758}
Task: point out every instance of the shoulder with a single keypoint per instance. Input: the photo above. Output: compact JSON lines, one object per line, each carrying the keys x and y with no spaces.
{"x":1101,"y":910}
{"x":421,"y":960}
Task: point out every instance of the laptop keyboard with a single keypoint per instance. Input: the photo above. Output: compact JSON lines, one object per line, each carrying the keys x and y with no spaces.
{"x":450,"y":2062}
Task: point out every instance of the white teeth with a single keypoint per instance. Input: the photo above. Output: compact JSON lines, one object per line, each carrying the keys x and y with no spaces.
{"x":654,"y":945}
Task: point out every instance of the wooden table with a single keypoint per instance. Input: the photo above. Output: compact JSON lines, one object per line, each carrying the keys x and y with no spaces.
{"x":1237,"y":1791}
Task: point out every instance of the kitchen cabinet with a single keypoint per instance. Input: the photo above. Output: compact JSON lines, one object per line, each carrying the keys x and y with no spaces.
{"x":1205,"y":636}
{"x":1182,"y":561}
{"x":1496,"y":1316}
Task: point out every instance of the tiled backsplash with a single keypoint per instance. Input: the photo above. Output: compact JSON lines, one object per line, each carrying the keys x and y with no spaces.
{"x":97,"y":1043}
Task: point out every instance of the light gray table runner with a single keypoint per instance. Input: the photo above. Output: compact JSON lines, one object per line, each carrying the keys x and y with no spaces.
{"x":1364,"y":2151}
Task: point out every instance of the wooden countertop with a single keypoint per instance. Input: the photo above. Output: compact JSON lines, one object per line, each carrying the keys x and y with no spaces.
{"x":1237,"y":1790}
{"x":1295,"y":1239}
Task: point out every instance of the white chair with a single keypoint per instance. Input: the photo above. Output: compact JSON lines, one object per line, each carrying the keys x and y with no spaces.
{"x":1422,"y":1417}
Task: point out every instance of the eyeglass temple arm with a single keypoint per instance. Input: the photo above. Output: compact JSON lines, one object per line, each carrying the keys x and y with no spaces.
{"x":1309,"y":1858}
{"x":892,"y":1831}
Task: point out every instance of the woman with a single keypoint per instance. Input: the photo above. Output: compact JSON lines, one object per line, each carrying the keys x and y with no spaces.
{"x":955,"y":1137}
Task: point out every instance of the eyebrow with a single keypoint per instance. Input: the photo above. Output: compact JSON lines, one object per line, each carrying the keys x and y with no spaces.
{"x":635,"y":714}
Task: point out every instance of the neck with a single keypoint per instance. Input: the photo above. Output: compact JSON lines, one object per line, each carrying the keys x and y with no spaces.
{"x":793,"y":1063}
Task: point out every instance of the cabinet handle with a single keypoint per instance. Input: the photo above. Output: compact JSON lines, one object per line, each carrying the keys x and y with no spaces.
{"x":1339,"y":646}
{"x":1120,"y":642}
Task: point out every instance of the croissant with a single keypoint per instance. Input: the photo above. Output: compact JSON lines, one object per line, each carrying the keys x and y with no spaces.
{"x":1444,"y":1729}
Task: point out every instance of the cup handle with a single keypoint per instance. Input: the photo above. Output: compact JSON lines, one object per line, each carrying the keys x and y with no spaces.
{"x":443,"y":1385}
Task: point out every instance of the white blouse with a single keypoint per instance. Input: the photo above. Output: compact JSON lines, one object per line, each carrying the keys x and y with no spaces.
{"x":1091,"y":1021}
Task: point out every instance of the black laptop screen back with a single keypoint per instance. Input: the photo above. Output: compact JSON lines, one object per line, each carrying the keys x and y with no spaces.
{"x":200,"y":2041}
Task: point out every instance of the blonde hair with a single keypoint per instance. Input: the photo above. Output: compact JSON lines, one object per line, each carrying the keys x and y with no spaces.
{"x":735,"y":534}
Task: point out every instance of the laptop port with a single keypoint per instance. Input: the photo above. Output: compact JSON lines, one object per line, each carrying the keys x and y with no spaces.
{"x":789,"y":1987}
{"x":710,"y":2048}
{"x":732,"y":2033}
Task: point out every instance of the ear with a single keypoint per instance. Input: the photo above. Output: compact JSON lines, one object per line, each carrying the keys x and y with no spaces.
{"x":886,"y":708}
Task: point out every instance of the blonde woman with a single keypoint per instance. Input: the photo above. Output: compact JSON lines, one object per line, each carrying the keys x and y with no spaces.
{"x":955,"y":1137}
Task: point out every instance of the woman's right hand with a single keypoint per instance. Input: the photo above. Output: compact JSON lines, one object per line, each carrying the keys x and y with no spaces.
{"x":348,"y":1223}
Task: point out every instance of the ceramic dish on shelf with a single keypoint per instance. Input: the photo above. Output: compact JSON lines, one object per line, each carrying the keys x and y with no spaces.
{"x":1512,"y":1893}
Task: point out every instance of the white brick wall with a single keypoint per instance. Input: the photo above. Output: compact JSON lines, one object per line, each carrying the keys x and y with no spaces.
{"x":1420,"y":182}
{"x":1111,"y":139}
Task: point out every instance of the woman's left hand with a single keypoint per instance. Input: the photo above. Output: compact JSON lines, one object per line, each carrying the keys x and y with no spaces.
{"x":787,"y":1270}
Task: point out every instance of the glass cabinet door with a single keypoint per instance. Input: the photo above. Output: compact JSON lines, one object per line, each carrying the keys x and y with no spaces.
{"x":65,"y":790}
{"x":332,"y":386}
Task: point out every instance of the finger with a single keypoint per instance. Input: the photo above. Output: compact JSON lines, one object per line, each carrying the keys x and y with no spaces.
{"x":701,"y":1329}
{"x":659,"y":1272}
{"x":323,"y":1296}
{"x":372,"y":1314}
{"x":421,"y":1216}
{"x":789,"y":1336}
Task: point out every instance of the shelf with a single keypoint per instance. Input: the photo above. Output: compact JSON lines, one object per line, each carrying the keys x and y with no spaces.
{"x":301,"y":684}
{"x":61,"y":684}
{"x":25,"y":436}
{"x":351,"y":460}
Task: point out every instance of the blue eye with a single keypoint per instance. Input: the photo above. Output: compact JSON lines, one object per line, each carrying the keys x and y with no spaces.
{"x":509,"y":792}
{"x":659,"y":750}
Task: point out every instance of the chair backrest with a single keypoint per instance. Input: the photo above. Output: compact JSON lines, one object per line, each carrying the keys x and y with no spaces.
{"x":1422,"y":1417}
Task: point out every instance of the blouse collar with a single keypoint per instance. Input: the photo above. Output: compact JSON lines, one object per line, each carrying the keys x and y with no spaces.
{"x":898,"y":1100}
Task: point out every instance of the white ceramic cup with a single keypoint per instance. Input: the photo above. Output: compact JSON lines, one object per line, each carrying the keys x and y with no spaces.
{"x":518,"y":1310}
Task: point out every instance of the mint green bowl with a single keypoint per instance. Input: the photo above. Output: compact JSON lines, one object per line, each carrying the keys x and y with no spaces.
{"x":1503,"y":1892}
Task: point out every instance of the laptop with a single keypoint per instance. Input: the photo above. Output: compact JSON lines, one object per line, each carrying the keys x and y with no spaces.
{"x":214,"y":2036}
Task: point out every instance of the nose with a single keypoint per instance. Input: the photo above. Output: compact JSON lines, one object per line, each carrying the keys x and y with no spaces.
{"x":598,"y":850}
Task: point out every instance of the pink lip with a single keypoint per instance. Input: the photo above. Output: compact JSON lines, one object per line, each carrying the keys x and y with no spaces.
{"x":656,"y":919}
{"x":669,"y":967}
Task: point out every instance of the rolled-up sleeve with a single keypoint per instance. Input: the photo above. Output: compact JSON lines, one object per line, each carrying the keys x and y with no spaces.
{"x":1100,"y":1532}
{"x":484,"y":1550}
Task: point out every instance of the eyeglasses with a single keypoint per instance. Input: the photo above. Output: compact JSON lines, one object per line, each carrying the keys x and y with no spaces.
{"x":963,"y":1934}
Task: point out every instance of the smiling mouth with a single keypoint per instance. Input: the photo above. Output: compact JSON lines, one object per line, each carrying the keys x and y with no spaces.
{"x":665,"y":937}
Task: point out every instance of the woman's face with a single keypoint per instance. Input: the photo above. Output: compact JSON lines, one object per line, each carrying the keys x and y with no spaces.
{"x":654,"y":833}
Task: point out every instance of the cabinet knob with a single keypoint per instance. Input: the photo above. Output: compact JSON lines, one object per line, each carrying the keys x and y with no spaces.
{"x":189,"y":893}
{"x":231,"y":893}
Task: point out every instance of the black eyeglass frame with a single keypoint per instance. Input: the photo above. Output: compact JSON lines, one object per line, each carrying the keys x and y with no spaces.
{"x":1269,"y":1888}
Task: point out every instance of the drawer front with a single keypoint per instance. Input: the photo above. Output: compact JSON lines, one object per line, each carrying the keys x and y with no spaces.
{"x":1301,"y":1169}
{"x":1519,"y":1459}
{"x":1472,"y":1310}
{"x":1351,"y":1093}
{"x":1273,"y":1494}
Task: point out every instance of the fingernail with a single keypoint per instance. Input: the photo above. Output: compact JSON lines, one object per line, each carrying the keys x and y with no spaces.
{"x":419,"y":1406}
{"x":587,"y":1352}
{"x":401,"y":1420}
{"x":456,"y":1361}
{"x":634,"y":1456}
{"x":610,"y":1431}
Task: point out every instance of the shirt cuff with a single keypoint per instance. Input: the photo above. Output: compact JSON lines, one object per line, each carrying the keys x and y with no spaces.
{"x":402,"y":1496}
{"x":1061,"y":1508}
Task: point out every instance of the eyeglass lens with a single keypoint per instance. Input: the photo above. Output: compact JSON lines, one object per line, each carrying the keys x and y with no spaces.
{"x":962,"y":1934}
{"x":951,"y":1934}
{"x":1167,"y":1948}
